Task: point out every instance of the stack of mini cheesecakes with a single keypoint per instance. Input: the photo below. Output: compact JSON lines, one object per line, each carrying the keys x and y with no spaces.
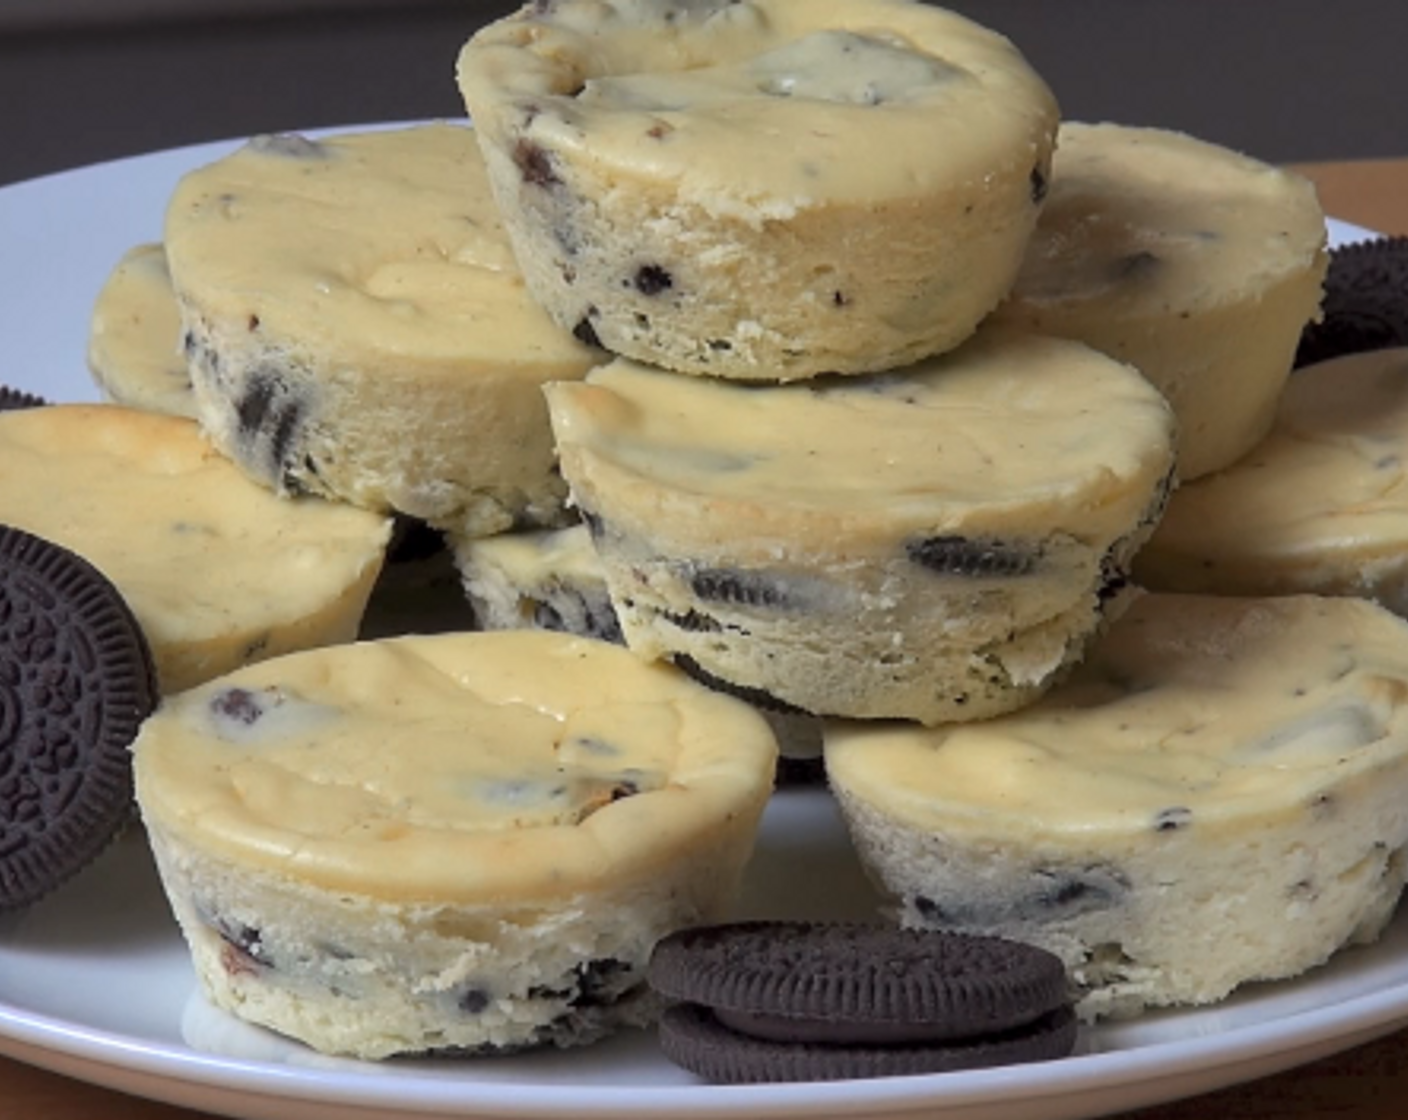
{"x":864,"y":428}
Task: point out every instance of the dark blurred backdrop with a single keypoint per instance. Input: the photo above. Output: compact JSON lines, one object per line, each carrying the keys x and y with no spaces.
{"x":87,"y":80}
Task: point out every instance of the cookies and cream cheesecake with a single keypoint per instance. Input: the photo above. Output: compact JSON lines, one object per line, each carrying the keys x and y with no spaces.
{"x":1198,"y":265}
{"x":218,"y":571}
{"x":1317,"y":506}
{"x":767,"y":189}
{"x":447,"y":844}
{"x":1218,"y":794}
{"x":935,"y":543}
{"x":134,"y":336}
{"x":546,"y":579}
{"x":357,"y":328}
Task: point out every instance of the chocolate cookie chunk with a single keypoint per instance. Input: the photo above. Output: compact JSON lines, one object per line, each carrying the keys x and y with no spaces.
{"x":11,"y":399}
{"x":789,"y":1001}
{"x":76,"y":682}
{"x":1366,"y":302}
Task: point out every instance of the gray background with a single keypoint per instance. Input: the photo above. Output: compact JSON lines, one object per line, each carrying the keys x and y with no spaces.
{"x":80,"y":81}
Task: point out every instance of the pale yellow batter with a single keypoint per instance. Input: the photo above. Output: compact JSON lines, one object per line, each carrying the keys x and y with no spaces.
{"x":359,"y":329}
{"x":134,"y":339}
{"x":1319,"y":505}
{"x":931,"y":544}
{"x":218,"y":571}
{"x":1219,"y":793}
{"x":440,"y":842}
{"x":1197,"y":265}
{"x":761,"y":190}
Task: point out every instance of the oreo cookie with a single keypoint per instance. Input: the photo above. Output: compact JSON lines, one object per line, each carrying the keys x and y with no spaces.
{"x":12,"y":399}
{"x":76,"y":681}
{"x":1366,"y":302}
{"x":807,"y":1001}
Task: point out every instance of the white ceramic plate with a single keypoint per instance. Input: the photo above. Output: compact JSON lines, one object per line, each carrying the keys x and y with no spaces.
{"x":95,"y":983}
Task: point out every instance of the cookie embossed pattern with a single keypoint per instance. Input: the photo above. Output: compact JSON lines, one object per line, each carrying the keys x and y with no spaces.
{"x":114,"y":1000}
{"x":76,"y":681}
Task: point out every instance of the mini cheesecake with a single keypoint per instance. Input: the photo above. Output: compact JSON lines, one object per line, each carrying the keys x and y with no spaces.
{"x":356,"y":327}
{"x":763,"y":190}
{"x":1196,"y":264}
{"x":1318,"y":506}
{"x":134,"y":337}
{"x":1217,"y":795}
{"x":550,"y":579}
{"x":935,"y":543}
{"x":218,"y":571}
{"x":447,"y":844}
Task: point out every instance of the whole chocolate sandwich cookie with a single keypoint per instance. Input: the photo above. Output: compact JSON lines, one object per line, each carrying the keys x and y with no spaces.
{"x":764,"y":190}
{"x":797,"y":1001}
{"x":76,"y":682}
{"x":1366,"y":301}
{"x":1197,"y":265}
{"x":1218,"y":794}
{"x":937,"y":543}
{"x":357,"y":328}
{"x":460,"y":843}
{"x":1319,"y":506}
